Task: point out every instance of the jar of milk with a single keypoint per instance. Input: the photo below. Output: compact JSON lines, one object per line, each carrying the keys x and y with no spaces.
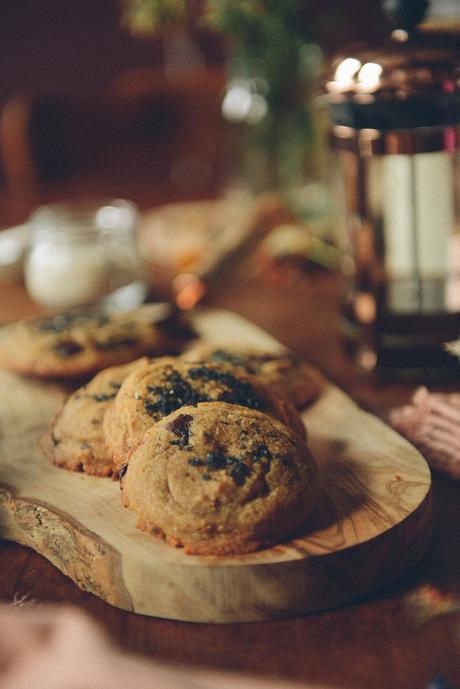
{"x":83,"y":253}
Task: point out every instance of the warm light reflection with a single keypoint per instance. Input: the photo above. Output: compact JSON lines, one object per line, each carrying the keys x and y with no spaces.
{"x":112,"y":217}
{"x":369,"y":75}
{"x":346,"y":70}
{"x":365,"y":308}
{"x":366,"y":359}
{"x":344,"y":75}
{"x":189,"y":289}
{"x":400,"y":35}
{"x":108,"y":217}
{"x":242,"y":104}
{"x":237,"y":103}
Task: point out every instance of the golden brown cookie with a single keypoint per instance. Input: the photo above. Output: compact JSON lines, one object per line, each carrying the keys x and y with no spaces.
{"x":299,"y":381}
{"x":221,"y":479}
{"x":151,"y":392}
{"x":75,"y":440}
{"x":84,"y":341}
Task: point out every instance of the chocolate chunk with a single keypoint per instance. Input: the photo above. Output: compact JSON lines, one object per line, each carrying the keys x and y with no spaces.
{"x":239,"y":473}
{"x":180,"y":426}
{"x":223,"y":356}
{"x":177,"y":392}
{"x":67,"y":348}
{"x":238,"y":391}
{"x":103,"y":397}
{"x":195,"y":462}
{"x":173,"y":394}
{"x":215,"y":461}
{"x":261,"y":451}
{"x":64,"y":321}
{"x":106,"y":396}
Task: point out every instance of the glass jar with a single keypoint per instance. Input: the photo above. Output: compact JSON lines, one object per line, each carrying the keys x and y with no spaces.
{"x":83,"y":253}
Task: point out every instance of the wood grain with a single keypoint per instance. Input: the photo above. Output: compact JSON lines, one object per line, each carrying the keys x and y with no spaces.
{"x":374,"y":523}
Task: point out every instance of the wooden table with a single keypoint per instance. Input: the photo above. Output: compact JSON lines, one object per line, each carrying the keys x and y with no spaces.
{"x":371,"y":644}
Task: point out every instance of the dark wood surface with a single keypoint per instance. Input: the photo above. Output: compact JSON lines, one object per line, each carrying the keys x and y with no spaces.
{"x":372,"y":644}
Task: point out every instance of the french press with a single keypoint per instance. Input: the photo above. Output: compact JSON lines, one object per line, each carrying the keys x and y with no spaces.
{"x":395,"y":116}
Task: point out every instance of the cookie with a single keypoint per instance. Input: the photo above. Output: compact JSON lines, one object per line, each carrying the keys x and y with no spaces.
{"x":75,"y":440}
{"x":151,"y":392}
{"x":81,"y":342}
{"x":299,"y":381}
{"x":221,"y":479}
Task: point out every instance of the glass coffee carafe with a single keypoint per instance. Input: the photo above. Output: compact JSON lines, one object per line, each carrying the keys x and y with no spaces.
{"x":395,"y":114}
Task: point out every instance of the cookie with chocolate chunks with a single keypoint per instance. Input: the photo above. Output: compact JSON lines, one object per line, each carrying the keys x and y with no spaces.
{"x":221,"y":479}
{"x":81,"y":342}
{"x":296,"y":379}
{"x":152,"y":392}
{"x":75,"y":440}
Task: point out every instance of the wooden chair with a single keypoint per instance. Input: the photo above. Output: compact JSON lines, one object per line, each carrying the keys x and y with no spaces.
{"x":144,"y":126}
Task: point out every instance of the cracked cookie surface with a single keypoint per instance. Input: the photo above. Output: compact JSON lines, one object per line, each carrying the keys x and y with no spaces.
{"x":221,"y":479}
{"x":75,"y":439}
{"x":81,"y":342}
{"x":295,"y":378}
{"x":152,"y":392}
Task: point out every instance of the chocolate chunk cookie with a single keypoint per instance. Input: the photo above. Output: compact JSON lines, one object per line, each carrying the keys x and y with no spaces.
{"x":75,"y":439}
{"x":151,"y":392}
{"x":221,"y":479}
{"x":84,"y":341}
{"x":296,"y":379}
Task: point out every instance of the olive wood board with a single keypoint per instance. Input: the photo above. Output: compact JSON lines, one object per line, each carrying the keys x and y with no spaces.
{"x":372,"y":525}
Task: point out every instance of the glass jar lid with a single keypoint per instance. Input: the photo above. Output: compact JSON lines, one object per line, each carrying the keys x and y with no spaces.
{"x":70,"y":221}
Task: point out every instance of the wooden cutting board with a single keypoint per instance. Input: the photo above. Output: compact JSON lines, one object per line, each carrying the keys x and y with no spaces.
{"x":373,"y":524}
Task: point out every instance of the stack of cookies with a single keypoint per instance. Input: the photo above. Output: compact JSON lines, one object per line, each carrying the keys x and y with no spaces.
{"x":207,"y":443}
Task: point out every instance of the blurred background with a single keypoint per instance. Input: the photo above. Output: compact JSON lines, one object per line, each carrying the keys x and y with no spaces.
{"x":80,"y":47}
{"x":87,"y":87}
{"x":160,"y":101}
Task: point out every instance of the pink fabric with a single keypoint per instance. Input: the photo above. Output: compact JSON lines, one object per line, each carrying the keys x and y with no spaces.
{"x":56,"y":647}
{"x":432,"y":423}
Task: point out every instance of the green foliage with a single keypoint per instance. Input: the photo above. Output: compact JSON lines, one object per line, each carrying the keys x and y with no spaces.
{"x":271,"y":52}
{"x":146,"y":17}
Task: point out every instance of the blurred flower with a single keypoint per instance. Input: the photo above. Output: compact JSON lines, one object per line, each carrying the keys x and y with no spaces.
{"x":427,"y":602}
{"x":146,"y":17}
